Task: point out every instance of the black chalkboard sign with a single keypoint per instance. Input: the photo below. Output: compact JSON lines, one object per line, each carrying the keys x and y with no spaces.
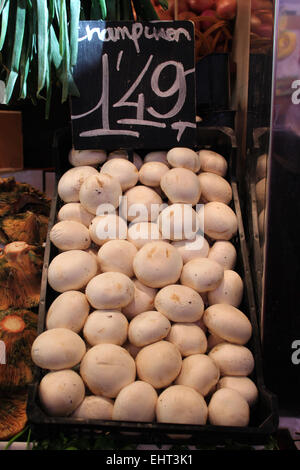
{"x":136,"y":83}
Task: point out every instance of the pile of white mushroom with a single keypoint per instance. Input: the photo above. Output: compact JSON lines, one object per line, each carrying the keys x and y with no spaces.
{"x":146,"y":326}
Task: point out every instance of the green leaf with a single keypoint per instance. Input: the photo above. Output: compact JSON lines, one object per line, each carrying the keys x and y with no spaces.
{"x":4,"y":23}
{"x":42,"y":43}
{"x":2,"y":5}
{"x":145,"y":10}
{"x":17,"y":48}
{"x":74,"y":23}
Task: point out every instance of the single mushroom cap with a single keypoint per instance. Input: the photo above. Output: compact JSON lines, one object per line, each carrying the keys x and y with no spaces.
{"x":261,"y":166}
{"x":181,"y":185}
{"x":182,"y":405}
{"x":70,"y":235}
{"x":158,"y":364}
{"x":189,"y":338}
{"x":229,"y":291}
{"x":228,"y":407}
{"x":58,"y":348}
{"x":69,"y":310}
{"x":141,"y":204}
{"x":191,"y":249}
{"x":220,"y":222}
{"x":106,"y":369}
{"x":87,"y":157}
{"x":100,"y":191}
{"x":233,"y":359}
{"x":224,"y":253}
{"x":245,"y":386}
{"x":179,"y":303}
{"x":157,"y":264}
{"x":181,"y":157}
{"x":178,"y":222}
{"x":107,"y":227}
{"x":136,"y":402}
{"x":213,"y":162}
{"x":94,"y":407}
{"x":123,"y":170}
{"x":61,"y":392}
{"x":228,"y":323}
{"x":71,"y":181}
{"x":75,"y":211}
{"x":110,"y":290}
{"x":147,"y":328}
{"x":143,"y":300}
{"x":202,"y":274}
{"x":117,"y":256}
{"x":214,"y":188}
{"x":143,"y":232}
{"x":105,"y":327}
{"x":122,"y":153}
{"x":199,"y":372}
{"x":151,"y":173}
{"x":157,"y":156}
{"x":71,"y":270}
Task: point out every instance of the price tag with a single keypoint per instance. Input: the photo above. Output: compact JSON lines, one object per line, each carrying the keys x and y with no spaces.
{"x":136,"y":83}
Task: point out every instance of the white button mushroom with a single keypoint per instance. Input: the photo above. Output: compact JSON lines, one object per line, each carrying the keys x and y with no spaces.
{"x":100,"y":191}
{"x":157,"y":156}
{"x":228,"y":322}
{"x":106,"y":369}
{"x":213,"y":162}
{"x":58,"y":348}
{"x":191,"y":249}
{"x":61,"y":392}
{"x":182,"y":405}
{"x":229,"y":291}
{"x":151,"y":173}
{"x":157,"y":264}
{"x":189,"y":338}
{"x":71,"y":270}
{"x":110,"y":290}
{"x":122,"y":153}
{"x":181,"y":185}
{"x":140,"y":204}
{"x":181,"y":157}
{"x":228,"y":408}
{"x":220,"y":222}
{"x":179,"y":303}
{"x":142,"y":301}
{"x":136,"y":402}
{"x":214,"y":188}
{"x":94,"y":407}
{"x":199,"y":372}
{"x":107,"y":227}
{"x":70,"y":235}
{"x":143,"y":232}
{"x":69,"y":310}
{"x":224,"y":253}
{"x":105,"y":327}
{"x":158,"y":364}
{"x":178,"y":222}
{"x":233,"y":359}
{"x":70,"y":183}
{"x":123,"y":170}
{"x":245,"y":386}
{"x":117,"y":256}
{"x":202,"y":274}
{"x":86,"y":157}
{"x":75,"y":211}
{"x":147,"y":328}
{"x":261,"y":166}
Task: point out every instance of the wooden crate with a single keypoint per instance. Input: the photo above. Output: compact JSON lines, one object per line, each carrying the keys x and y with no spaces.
{"x":11,"y":141}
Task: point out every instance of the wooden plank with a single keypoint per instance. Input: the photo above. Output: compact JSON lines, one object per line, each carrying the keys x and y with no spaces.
{"x":11,"y":141}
